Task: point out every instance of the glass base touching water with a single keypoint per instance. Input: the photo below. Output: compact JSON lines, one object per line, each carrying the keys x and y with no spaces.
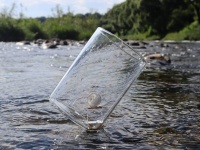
{"x":77,"y":118}
{"x":97,"y":80}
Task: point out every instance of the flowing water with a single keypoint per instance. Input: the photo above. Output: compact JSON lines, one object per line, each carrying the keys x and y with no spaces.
{"x":160,"y":111}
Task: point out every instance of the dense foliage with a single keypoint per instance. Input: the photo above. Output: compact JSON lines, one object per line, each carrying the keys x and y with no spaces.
{"x":133,"y":19}
{"x":62,"y":26}
{"x":146,"y":19}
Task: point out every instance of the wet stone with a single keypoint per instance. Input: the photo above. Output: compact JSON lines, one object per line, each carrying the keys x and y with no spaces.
{"x":166,"y":130}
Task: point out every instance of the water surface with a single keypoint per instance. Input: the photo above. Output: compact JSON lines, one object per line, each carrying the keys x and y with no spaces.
{"x":160,"y":111}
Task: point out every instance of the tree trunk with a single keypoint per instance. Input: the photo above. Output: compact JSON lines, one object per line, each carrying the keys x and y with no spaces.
{"x":197,"y":9}
{"x":198,"y":14}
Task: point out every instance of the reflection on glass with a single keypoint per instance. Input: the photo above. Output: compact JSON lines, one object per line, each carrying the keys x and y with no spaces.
{"x":97,"y":80}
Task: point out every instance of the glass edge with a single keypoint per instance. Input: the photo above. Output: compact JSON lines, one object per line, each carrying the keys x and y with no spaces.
{"x":58,"y":104}
{"x":104,"y":30}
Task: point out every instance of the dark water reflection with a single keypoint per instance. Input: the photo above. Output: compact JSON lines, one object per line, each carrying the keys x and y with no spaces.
{"x":160,"y":111}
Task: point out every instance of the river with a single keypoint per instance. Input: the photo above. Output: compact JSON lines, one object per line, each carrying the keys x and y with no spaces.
{"x":160,"y":111}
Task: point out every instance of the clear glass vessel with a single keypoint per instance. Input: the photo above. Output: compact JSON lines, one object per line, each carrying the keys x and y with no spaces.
{"x":97,"y":80}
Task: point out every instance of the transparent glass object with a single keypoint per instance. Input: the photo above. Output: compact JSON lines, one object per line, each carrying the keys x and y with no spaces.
{"x":97,"y":80}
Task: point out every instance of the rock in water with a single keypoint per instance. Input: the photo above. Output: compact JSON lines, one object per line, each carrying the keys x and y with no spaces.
{"x":94,"y":100}
{"x":159,"y":59}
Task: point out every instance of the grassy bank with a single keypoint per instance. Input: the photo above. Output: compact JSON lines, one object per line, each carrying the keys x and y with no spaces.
{"x":77,"y":28}
{"x":69,"y":26}
{"x":31,"y":29}
{"x":191,"y":32}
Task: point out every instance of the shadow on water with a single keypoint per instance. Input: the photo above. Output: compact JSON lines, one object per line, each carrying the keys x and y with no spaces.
{"x":160,"y":111}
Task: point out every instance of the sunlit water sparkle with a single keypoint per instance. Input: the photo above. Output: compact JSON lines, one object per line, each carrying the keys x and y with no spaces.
{"x":160,"y":111}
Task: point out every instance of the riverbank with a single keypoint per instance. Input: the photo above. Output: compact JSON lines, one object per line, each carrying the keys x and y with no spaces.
{"x":189,"y":33}
{"x":53,"y":43}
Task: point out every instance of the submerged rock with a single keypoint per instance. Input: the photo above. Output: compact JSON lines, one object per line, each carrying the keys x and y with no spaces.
{"x":166,"y":130}
{"x":137,"y":44}
{"x":38,"y":41}
{"x":133,"y":43}
{"x":63,"y":42}
{"x":49,"y":45}
{"x":158,"y":59}
{"x":164,"y":45}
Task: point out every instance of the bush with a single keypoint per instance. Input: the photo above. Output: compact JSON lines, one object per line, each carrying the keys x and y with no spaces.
{"x":32,"y":29}
{"x":10,"y":31}
{"x":191,"y":32}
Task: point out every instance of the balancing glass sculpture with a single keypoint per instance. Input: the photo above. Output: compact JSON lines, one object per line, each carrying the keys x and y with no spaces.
{"x":97,"y":80}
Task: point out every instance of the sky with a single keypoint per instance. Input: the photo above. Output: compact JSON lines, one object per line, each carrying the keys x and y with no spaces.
{"x":38,"y":8}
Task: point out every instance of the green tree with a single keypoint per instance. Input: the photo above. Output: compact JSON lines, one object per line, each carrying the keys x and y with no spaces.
{"x":166,"y":15}
{"x":196,"y":6}
{"x":122,"y":17}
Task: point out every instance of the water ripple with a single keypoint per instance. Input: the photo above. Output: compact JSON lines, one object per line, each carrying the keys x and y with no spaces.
{"x":160,"y":111}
